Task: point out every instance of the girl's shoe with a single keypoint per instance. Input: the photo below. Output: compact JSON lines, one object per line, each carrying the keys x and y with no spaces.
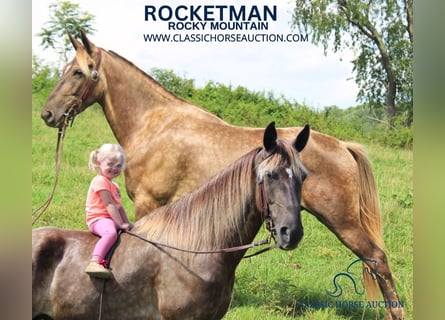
{"x":98,"y":270}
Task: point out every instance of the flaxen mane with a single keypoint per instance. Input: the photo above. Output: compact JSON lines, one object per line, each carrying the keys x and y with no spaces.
{"x":200,"y":222}
{"x":146,"y":75}
{"x":195,"y":221}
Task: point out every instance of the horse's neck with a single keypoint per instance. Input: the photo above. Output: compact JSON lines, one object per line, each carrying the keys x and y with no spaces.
{"x":220,"y":214}
{"x":130,"y":95}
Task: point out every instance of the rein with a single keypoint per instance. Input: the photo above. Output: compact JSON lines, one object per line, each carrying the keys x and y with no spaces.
{"x":269,"y":225}
{"x":68,"y":120}
{"x":224,"y":250}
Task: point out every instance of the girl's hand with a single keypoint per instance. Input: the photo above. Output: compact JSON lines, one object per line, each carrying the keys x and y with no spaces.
{"x":126,"y":226}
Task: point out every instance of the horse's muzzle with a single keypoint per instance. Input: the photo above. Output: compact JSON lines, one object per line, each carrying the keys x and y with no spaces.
{"x":288,"y":239}
{"x":49,"y":118}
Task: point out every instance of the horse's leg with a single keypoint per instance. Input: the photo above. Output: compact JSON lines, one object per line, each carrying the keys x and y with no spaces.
{"x":144,"y":203}
{"x":339,"y":209}
{"x":355,"y":238}
{"x":156,"y":179}
{"x":147,"y":194}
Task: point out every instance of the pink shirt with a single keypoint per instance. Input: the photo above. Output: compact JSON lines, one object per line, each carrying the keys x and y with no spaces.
{"x":95,"y":208}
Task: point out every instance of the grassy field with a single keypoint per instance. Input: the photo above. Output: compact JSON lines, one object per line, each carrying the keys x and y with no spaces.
{"x":275,"y":285}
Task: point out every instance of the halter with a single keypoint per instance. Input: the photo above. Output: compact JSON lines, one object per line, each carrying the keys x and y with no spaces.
{"x":263,"y":205}
{"x":75,"y":108}
{"x":266,"y":210}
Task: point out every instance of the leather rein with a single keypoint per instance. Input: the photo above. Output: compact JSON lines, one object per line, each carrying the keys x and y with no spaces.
{"x":267,"y":219}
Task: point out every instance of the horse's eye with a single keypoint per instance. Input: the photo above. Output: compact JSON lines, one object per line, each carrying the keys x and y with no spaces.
{"x":78,"y":73}
{"x":271,"y":175}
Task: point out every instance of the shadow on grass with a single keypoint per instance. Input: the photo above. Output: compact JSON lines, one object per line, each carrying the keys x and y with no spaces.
{"x":290,"y":301}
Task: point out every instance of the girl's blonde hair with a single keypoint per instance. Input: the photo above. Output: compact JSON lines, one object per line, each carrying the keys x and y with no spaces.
{"x":107,"y":151}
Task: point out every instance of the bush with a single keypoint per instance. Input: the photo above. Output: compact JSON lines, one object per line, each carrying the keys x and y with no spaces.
{"x":44,"y":78}
{"x":240,"y":106}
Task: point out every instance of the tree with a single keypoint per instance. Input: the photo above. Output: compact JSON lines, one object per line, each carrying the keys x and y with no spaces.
{"x":65,"y":17}
{"x":181,"y":87}
{"x":380,"y":32}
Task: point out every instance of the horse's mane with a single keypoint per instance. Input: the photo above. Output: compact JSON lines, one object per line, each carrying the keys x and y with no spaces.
{"x":209,"y":217}
{"x":144,"y":74}
{"x":161,"y":89}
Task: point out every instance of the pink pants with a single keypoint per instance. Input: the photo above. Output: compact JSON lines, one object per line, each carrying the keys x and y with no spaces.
{"x":106,"y":229}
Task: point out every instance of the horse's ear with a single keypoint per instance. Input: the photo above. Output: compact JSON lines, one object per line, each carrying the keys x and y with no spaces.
{"x":302,"y":138}
{"x":270,"y":137}
{"x":89,"y":46}
{"x":76,"y":43}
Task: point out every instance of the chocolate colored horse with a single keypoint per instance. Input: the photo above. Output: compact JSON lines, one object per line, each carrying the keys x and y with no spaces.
{"x":167,"y":143}
{"x":154,"y":282}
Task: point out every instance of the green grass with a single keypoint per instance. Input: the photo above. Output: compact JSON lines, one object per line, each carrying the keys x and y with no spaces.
{"x":275,"y":285}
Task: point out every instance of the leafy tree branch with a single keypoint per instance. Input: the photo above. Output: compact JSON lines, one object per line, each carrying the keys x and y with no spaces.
{"x":379,"y":32}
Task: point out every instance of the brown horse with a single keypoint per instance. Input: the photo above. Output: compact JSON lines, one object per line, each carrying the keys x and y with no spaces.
{"x":154,"y":282}
{"x":161,"y":134}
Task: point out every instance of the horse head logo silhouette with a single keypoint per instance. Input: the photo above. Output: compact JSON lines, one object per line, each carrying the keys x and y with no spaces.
{"x":338,"y":290}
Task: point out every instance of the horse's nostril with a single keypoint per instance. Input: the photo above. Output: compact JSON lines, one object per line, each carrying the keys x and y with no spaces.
{"x":285,"y":234}
{"x":46,"y":115}
{"x":290,"y":237}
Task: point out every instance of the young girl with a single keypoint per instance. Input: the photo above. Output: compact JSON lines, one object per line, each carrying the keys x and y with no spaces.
{"x":104,"y":212}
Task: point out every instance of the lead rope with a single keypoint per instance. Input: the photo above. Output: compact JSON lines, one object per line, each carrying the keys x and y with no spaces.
{"x":37,"y":213}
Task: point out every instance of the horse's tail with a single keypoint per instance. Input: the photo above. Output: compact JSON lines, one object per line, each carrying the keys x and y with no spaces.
{"x":370,"y":215}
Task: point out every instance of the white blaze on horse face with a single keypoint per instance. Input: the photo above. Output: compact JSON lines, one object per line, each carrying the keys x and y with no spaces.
{"x":259,"y":177}
{"x":290,"y":173}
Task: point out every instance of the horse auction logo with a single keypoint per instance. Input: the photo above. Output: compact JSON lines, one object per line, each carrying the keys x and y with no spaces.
{"x":355,"y":278}
{"x":348,"y":274}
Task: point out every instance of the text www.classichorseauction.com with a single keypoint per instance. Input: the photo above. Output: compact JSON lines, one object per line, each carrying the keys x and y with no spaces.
{"x":350,"y":278}
{"x":206,"y":20}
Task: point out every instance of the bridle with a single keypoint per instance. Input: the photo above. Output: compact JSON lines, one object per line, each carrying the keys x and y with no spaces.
{"x":68,"y":119}
{"x":264,"y":207}
{"x":75,"y":108}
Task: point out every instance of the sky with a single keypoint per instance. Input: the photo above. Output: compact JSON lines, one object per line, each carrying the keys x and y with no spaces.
{"x":297,"y":70}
